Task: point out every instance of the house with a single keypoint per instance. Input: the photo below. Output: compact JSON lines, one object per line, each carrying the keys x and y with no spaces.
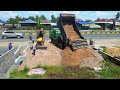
{"x":105,"y":23}
{"x":47,"y":23}
{"x":83,"y":25}
{"x":7,"y":26}
{"x":1,"y":23}
{"x":27,"y":23}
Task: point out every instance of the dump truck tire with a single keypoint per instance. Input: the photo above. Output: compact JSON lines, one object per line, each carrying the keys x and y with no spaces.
{"x":60,"y":46}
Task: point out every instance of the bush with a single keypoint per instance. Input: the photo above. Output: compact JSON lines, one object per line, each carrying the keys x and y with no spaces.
{"x":104,"y":48}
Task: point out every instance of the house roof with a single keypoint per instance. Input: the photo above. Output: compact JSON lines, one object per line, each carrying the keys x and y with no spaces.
{"x":80,"y":21}
{"x":105,"y":20}
{"x":7,"y":26}
{"x":27,"y":21}
{"x":45,"y":21}
{"x":1,"y":21}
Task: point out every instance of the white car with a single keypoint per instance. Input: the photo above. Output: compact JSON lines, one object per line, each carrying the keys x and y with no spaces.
{"x":7,"y":34}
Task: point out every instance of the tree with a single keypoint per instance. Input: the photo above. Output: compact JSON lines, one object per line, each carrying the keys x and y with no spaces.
{"x":53,"y":19}
{"x":117,"y":16}
{"x":38,"y":26}
{"x":32,"y":18}
{"x":11,"y":21}
{"x":98,"y":18}
{"x":37,"y":18}
{"x":42,"y":17}
{"x":88,"y":20}
{"x":17,"y":19}
{"x":14,"y":20}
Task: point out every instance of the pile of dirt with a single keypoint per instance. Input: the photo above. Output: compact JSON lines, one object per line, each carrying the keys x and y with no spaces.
{"x":113,"y":51}
{"x":71,"y":34}
{"x":80,"y":58}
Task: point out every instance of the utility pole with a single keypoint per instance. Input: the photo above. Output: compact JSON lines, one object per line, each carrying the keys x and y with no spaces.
{"x":114,"y":21}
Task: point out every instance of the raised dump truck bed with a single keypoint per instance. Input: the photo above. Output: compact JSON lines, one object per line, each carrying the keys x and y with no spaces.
{"x":70,"y":32}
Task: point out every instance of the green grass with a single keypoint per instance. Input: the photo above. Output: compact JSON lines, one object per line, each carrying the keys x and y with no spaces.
{"x":109,"y":71}
{"x":117,"y":46}
{"x":104,"y":48}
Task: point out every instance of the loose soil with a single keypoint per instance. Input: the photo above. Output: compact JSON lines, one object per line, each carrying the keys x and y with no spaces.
{"x":84,"y":57}
{"x":49,"y":57}
{"x":71,"y":34}
{"x":113,"y":51}
{"x":81,"y":57}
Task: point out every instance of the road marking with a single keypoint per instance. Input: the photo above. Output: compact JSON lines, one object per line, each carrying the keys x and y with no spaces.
{"x":98,"y":32}
{"x":33,"y":33}
{"x":113,"y":32}
{"x":47,"y":33}
{"x":117,"y":32}
{"x":82,"y":33}
{"x":93,"y":32}
{"x":88,"y":32}
{"x":108,"y":32}
{"x":103,"y":32}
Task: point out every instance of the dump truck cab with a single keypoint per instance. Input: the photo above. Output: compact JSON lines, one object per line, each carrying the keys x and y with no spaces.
{"x":55,"y":36}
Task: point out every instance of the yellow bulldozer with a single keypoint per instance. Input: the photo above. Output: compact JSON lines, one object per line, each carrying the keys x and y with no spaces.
{"x":40,"y":41}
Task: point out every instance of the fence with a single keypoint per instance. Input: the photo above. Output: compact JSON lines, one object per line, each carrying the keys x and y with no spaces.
{"x":6,"y":61}
{"x":34,"y":32}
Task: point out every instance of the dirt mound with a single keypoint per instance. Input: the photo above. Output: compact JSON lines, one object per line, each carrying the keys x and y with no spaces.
{"x":71,"y":34}
{"x":113,"y":51}
{"x":80,"y":58}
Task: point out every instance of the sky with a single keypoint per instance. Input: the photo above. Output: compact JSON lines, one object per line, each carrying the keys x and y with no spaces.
{"x":84,"y":15}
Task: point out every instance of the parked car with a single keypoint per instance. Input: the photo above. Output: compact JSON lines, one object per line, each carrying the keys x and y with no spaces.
{"x":7,"y":34}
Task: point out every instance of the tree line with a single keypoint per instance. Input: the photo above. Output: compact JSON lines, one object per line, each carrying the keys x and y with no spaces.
{"x":34,"y":18}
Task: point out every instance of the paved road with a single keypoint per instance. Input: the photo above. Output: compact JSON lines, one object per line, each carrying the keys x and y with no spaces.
{"x":87,"y":36}
{"x":102,"y":36}
{"x":26,"y":38}
{"x":4,"y":49}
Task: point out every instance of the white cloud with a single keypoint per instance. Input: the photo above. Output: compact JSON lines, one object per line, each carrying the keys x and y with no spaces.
{"x":56,"y":13}
{"x":33,"y":13}
{"x":7,"y":14}
{"x":103,"y":14}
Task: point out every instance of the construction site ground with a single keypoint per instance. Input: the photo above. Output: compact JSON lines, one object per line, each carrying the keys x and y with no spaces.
{"x":54,"y":56}
{"x":49,"y":57}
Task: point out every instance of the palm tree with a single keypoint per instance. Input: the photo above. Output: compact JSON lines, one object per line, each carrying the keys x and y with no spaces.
{"x":117,"y":16}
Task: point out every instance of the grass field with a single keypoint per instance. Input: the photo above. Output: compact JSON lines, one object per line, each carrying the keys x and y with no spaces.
{"x":109,"y":71}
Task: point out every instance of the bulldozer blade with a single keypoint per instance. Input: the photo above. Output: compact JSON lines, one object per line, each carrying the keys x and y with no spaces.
{"x":41,"y":47}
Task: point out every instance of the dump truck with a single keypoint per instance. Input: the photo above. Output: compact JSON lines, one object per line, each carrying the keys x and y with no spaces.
{"x":67,"y":34}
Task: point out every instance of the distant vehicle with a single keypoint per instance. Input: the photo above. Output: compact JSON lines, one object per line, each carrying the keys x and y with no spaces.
{"x":8,"y":34}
